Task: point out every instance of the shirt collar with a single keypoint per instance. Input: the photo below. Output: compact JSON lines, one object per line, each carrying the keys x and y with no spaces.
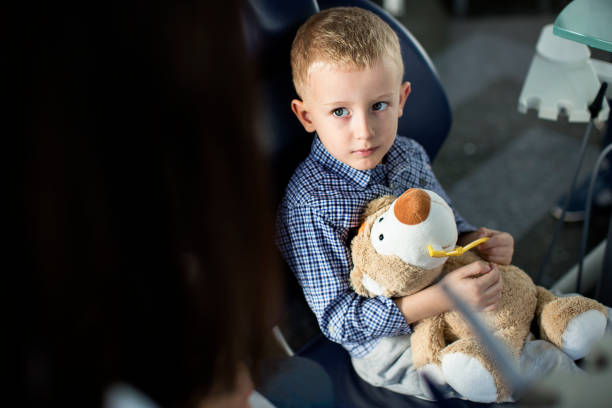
{"x":360,"y":177}
{"x":393,"y":156}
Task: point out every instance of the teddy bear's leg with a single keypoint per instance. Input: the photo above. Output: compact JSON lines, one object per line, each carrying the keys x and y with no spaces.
{"x":468,"y":368}
{"x":571,"y":323}
{"x":426,"y":341}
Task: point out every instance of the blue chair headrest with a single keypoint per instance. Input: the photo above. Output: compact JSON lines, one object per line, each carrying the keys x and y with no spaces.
{"x":271,"y":22}
{"x":270,"y":26}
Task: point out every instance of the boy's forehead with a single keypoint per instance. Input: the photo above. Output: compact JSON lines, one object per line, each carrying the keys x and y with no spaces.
{"x":321,"y":70}
{"x":333,"y":66}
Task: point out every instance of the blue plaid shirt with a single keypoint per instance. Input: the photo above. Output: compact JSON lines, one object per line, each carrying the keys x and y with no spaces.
{"x":319,"y":215}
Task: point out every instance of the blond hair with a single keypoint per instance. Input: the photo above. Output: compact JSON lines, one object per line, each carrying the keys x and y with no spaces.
{"x":345,"y":36}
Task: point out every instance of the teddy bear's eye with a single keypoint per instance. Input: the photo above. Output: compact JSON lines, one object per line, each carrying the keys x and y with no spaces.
{"x":381,"y":237}
{"x":380,"y":219}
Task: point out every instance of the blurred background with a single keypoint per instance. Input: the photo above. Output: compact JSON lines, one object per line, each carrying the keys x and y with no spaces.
{"x":502,"y":169}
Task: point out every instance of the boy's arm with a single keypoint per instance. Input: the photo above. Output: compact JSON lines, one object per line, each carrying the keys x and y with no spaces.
{"x":478,"y":284}
{"x":318,"y":256}
{"x":429,"y":302}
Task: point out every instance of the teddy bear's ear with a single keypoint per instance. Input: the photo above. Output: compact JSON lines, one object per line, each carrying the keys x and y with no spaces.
{"x":375,"y":205}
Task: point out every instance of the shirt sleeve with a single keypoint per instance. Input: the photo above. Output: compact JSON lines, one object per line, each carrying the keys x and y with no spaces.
{"x":434,"y":185}
{"x":317,"y":255}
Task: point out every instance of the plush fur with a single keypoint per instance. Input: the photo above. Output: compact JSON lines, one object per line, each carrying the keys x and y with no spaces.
{"x":448,"y":335}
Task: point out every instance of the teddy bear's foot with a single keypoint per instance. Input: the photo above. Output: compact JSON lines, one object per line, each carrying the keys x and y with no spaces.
{"x":582,"y":332}
{"x":468,"y":376}
{"x":572,"y":323}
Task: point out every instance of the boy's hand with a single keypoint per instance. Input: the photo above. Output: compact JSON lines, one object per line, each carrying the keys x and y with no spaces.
{"x":481,"y":292}
{"x":498,"y":249}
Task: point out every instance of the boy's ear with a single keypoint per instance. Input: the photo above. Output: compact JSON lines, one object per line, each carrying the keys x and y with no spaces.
{"x":299,"y":108}
{"x":405,"y":89}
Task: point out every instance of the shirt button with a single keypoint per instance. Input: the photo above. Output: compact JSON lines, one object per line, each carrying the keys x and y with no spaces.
{"x":422,"y":181}
{"x":331,"y":329}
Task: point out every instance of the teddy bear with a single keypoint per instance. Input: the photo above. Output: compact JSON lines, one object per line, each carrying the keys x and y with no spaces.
{"x":407,"y":243}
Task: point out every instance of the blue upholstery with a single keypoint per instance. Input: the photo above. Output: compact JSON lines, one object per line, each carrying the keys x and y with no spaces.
{"x":270,"y":26}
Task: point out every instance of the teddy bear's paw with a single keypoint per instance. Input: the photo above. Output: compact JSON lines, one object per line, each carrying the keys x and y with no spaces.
{"x":372,"y":286}
{"x":433,"y":372}
{"x":582,"y":332}
{"x":469,"y":377}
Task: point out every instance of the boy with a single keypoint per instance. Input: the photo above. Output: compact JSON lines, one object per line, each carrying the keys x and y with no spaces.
{"x":347,"y":70}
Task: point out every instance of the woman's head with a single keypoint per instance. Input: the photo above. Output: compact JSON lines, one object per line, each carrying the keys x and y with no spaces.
{"x":149,"y":235}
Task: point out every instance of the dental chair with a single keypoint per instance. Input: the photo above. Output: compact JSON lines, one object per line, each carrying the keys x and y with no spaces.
{"x":270,"y":26}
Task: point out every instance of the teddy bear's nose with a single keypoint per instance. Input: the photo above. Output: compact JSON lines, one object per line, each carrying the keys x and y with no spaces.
{"x":412,"y":207}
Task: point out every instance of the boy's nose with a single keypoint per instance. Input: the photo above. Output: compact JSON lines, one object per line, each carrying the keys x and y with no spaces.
{"x":362,"y":127}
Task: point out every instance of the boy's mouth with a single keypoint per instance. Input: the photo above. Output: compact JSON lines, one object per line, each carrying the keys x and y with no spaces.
{"x":365,"y":152}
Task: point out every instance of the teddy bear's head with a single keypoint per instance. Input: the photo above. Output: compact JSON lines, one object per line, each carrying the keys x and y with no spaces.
{"x":391,"y":255}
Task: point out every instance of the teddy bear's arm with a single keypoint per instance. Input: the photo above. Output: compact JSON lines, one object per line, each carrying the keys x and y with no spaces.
{"x":427,"y":340}
{"x":356,"y":280}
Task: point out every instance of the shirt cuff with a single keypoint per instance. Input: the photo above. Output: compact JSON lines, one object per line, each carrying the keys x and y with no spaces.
{"x":397,"y":323}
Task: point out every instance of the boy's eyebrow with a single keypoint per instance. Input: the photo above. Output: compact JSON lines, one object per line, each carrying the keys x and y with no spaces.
{"x":383,"y":96}
{"x":337,"y":103}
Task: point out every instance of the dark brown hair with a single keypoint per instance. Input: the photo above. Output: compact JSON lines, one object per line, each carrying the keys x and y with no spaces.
{"x":148,"y":232}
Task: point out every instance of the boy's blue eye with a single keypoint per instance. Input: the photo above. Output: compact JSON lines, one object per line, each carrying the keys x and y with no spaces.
{"x":379,"y":106}
{"x":340,"y":112}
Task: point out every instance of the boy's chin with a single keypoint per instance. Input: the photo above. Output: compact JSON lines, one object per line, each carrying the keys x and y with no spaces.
{"x":363,"y":167}
{"x":365,"y":164}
